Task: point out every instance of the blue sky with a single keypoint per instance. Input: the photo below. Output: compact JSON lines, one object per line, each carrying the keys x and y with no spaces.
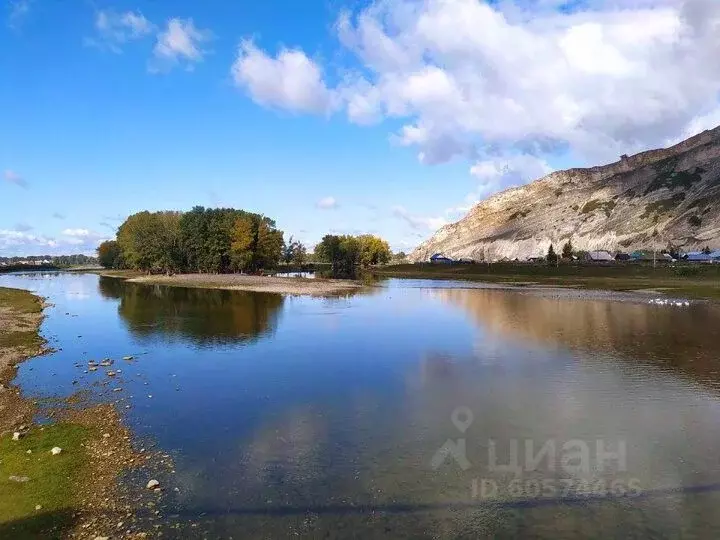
{"x":337,"y":116}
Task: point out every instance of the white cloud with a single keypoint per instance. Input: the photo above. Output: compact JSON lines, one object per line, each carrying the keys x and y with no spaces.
{"x":116,"y":29}
{"x":291,"y":81}
{"x":515,"y":170}
{"x":20,"y":241}
{"x":180,"y":42}
{"x":327,"y":203}
{"x":14,"y":178}
{"x":18,"y":11}
{"x":76,"y":232}
{"x":417,"y":222}
{"x":488,"y":82}
{"x":13,"y":242}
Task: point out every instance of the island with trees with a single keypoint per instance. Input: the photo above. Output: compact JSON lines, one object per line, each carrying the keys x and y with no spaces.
{"x":232,"y":249}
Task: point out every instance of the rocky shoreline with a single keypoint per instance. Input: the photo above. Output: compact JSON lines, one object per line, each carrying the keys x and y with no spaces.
{"x":59,"y":480}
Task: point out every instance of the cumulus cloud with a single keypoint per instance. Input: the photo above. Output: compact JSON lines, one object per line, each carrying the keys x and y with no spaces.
{"x":181,"y":43}
{"x":19,"y":242}
{"x":417,"y":222}
{"x":12,"y":177}
{"x":327,"y":203}
{"x":289,"y":81}
{"x":116,"y":29}
{"x":490,"y":81}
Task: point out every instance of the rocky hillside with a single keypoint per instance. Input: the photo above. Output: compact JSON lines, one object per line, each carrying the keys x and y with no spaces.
{"x":645,"y":201}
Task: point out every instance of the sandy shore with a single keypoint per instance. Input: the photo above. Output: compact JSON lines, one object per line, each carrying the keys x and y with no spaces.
{"x":269,"y":284}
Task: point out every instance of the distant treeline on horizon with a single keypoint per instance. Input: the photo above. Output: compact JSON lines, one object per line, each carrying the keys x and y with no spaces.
{"x":55,"y":260}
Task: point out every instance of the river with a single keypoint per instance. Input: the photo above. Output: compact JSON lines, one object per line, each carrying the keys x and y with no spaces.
{"x":413,"y":409}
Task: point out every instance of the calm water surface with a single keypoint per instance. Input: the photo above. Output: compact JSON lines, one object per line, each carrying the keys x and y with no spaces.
{"x":396,"y":412}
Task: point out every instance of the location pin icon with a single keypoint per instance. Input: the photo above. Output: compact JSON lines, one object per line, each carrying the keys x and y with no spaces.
{"x":462,"y":418}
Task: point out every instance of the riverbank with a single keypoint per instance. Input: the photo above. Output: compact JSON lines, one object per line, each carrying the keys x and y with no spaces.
{"x":56,"y":480}
{"x":241,"y":282}
{"x":698,"y":282}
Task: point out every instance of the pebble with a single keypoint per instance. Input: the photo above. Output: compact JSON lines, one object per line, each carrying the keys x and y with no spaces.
{"x":56,"y":451}
{"x":152,"y":484}
{"x":38,"y":507}
{"x":20,"y":479}
{"x":16,"y":436}
{"x":127,"y":358}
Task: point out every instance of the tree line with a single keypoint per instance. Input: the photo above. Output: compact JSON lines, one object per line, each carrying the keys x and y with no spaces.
{"x":205,"y":240}
{"x":224,"y":240}
{"x":346,"y":253}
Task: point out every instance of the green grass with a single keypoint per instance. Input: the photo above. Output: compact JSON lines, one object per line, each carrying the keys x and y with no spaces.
{"x":701,"y":282}
{"x":21,"y":303}
{"x":53,"y":479}
{"x":20,"y":300}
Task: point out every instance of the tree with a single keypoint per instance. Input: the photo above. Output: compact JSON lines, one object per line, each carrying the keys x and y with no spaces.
{"x":373,"y":250}
{"x":109,"y":255}
{"x":551,"y":255}
{"x":347,"y":252}
{"x":294,"y":252}
{"x":707,"y":250}
{"x":151,"y":241}
{"x":243,"y":242}
{"x":269,"y":244}
{"x":567,"y":251}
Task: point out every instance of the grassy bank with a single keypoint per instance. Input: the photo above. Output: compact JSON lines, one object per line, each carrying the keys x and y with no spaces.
{"x":702,"y":281}
{"x":43,"y":495}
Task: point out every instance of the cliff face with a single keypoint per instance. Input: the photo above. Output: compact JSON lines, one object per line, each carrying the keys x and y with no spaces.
{"x":645,"y":201}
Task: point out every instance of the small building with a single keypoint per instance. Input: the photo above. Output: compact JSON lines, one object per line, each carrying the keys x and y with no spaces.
{"x":599,"y":256}
{"x":643,"y":255}
{"x":439,"y":258}
{"x":699,"y":256}
{"x":623,"y":257}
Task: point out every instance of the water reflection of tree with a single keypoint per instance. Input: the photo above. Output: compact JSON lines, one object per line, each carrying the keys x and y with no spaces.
{"x":204,"y":316}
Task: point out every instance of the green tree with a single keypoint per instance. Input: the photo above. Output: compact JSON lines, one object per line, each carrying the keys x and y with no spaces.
{"x":373,"y":250}
{"x":567,"y":251}
{"x":243,"y":243}
{"x":328,"y":250}
{"x":551,"y":255}
{"x":294,"y":252}
{"x":269,"y":244}
{"x":109,"y":255}
{"x":151,"y":241}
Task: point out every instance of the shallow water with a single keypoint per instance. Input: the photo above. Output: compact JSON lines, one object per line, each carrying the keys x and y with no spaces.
{"x":397,"y":411}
